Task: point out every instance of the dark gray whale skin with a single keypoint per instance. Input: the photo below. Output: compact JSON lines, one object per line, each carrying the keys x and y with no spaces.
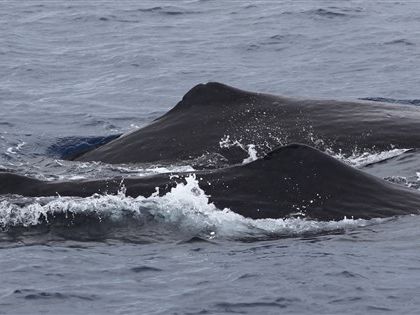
{"x":209,"y":112}
{"x":294,"y":180}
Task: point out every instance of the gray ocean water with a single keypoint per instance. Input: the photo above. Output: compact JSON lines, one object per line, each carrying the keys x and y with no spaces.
{"x":76,"y":69}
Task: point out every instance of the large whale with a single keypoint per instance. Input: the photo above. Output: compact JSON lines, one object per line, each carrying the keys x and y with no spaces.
{"x":212,"y":117}
{"x":294,"y":180}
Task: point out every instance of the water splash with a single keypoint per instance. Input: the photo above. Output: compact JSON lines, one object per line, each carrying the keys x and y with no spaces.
{"x":359,"y":159}
{"x":185,"y":208}
{"x":250,"y":149}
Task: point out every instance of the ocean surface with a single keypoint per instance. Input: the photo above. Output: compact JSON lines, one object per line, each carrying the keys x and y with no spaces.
{"x":74,"y":72}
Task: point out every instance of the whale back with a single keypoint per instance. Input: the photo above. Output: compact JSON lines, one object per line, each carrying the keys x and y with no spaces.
{"x":297,"y":180}
{"x":193,"y":128}
{"x":216,"y":119}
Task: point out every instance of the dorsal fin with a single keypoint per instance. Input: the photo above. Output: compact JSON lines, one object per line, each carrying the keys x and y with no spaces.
{"x":293,"y":148}
{"x":212,"y":93}
{"x":296,"y":153}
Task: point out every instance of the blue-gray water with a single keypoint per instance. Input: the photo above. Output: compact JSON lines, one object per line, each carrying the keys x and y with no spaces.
{"x":89,"y":68}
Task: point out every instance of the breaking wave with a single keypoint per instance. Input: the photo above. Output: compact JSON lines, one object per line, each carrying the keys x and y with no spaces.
{"x":185,"y":209}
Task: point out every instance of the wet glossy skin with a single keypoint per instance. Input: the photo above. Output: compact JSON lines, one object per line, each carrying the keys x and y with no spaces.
{"x":295,"y":180}
{"x":210,"y":112}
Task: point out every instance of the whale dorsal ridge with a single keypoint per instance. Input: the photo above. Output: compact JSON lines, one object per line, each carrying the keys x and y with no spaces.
{"x":213,"y":93}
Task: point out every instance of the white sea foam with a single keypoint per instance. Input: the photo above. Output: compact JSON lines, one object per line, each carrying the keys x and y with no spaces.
{"x":360,"y":159}
{"x":84,"y":170}
{"x":186,"y":207}
{"x":15,"y":149}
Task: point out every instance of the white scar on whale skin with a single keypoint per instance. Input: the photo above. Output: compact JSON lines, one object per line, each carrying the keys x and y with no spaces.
{"x":226,"y":142}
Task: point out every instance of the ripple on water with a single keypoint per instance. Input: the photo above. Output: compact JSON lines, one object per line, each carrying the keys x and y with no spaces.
{"x":32,"y":294}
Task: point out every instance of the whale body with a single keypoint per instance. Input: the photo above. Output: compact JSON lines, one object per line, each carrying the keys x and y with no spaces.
{"x":219,"y":121}
{"x":291,"y":181}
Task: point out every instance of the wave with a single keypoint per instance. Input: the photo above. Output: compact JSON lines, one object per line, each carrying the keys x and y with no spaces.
{"x":334,"y":12}
{"x":71,"y":147}
{"x":167,"y":10}
{"x":392,"y":100}
{"x":329,"y":13}
{"x":185,"y":210}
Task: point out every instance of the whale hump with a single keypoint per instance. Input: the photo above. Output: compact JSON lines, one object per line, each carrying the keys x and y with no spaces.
{"x":210,"y":112}
{"x":293,"y":148}
{"x":213,"y":93}
{"x":282,"y":159}
{"x":300,"y":180}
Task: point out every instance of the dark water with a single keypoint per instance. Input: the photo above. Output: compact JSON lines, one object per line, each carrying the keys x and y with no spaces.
{"x":75,"y":70}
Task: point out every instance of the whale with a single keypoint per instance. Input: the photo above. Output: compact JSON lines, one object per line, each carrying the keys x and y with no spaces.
{"x":290,"y":181}
{"x":215,"y":125}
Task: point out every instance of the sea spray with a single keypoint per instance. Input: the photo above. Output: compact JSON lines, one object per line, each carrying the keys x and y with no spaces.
{"x":185,"y":207}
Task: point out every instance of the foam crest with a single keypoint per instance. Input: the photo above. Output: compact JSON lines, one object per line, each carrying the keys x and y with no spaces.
{"x":45,"y":209}
{"x":359,"y":159}
{"x":185,"y":208}
{"x":69,"y":170}
{"x":15,"y":149}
